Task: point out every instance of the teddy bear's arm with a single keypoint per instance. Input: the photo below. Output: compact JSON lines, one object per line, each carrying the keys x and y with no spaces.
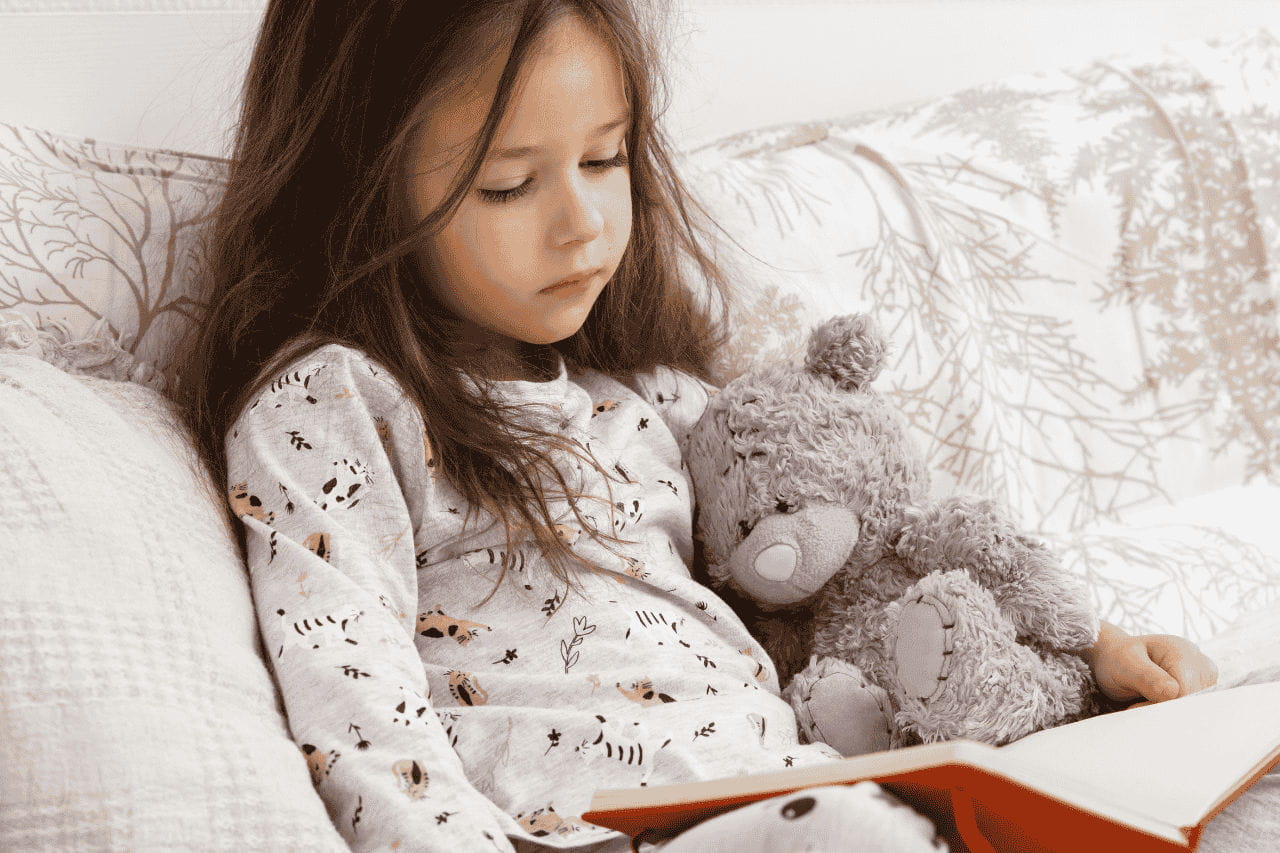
{"x":1042,"y":599}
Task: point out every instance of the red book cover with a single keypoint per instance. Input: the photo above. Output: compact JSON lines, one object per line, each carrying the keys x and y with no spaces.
{"x":1144,"y":779}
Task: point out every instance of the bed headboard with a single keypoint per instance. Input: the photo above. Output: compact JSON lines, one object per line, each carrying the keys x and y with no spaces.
{"x":166,"y":73}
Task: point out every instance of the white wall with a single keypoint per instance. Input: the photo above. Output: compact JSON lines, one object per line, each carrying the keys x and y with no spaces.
{"x":166,"y":73}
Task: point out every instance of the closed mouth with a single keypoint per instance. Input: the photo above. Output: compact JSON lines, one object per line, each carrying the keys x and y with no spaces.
{"x":571,"y":281}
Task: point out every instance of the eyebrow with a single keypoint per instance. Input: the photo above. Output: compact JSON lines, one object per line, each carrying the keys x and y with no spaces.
{"x":527,"y":150}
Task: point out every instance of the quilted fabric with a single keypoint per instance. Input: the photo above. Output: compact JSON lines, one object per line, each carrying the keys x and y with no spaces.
{"x":136,"y":710}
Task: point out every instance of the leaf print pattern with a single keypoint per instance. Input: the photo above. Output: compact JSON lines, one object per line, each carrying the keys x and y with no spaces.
{"x":568,"y":652}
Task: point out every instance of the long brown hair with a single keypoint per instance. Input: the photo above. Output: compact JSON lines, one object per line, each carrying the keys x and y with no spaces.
{"x":311,"y":244}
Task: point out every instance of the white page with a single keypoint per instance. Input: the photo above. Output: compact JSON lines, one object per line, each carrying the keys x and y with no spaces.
{"x":1172,"y":760}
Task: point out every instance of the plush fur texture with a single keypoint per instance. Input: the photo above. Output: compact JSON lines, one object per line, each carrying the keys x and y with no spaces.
{"x":993,"y":606}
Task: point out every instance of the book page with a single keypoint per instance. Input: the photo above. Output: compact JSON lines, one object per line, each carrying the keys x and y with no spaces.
{"x":1172,"y":760}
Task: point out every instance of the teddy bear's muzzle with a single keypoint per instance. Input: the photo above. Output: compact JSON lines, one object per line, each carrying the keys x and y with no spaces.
{"x":788,"y":557}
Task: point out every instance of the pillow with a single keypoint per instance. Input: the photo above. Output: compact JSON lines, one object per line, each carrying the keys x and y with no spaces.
{"x":136,"y":708}
{"x":97,"y":353}
{"x":1193,"y":568}
{"x":1074,"y":269}
{"x":101,"y":233}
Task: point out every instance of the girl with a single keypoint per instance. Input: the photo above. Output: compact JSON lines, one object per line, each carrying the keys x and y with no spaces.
{"x":409,"y":405}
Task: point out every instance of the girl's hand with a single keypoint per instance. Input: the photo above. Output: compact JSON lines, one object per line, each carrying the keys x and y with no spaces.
{"x":1156,"y":667}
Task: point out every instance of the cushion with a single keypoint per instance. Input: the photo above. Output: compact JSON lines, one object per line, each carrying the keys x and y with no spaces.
{"x":136,"y":708}
{"x":103,"y":233}
{"x":1076,"y":271}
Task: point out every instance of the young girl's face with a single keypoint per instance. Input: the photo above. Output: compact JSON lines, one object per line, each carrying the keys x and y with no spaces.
{"x":540,"y":215}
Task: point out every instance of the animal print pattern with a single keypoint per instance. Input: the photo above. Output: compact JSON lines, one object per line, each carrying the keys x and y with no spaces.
{"x":427,"y":719}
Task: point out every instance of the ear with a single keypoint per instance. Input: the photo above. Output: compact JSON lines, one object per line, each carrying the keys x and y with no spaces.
{"x":848,"y":348}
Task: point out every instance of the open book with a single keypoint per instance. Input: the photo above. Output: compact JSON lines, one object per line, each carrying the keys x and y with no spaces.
{"x":1143,"y":779}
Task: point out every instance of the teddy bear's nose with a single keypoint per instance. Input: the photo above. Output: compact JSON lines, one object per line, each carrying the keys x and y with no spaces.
{"x":777,"y":562}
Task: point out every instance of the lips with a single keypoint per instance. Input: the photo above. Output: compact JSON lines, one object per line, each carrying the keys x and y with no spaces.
{"x":576,"y":277}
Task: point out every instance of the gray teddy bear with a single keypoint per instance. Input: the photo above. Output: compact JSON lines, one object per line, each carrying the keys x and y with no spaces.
{"x":921,"y":620}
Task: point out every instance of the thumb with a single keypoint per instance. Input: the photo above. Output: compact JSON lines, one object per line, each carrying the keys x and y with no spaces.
{"x":1158,"y":685}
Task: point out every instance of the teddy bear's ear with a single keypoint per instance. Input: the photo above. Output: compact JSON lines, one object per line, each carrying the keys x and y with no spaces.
{"x":849,"y":348}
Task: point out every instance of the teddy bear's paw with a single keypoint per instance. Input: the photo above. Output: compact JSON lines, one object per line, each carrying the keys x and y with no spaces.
{"x":923,"y":643}
{"x":961,"y":673}
{"x":935,"y":632}
{"x":835,"y":703}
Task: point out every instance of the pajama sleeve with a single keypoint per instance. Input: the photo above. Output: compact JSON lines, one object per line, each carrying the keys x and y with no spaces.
{"x":679,"y":398}
{"x":327,"y":469}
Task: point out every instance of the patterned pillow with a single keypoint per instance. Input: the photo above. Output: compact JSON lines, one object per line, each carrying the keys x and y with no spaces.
{"x":1076,"y":271}
{"x":1192,"y":568}
{"x":138,"y":711}
{"x":99,"y":241}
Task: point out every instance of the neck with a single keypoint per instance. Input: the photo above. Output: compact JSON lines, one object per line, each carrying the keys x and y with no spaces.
{"x":532,"y":363}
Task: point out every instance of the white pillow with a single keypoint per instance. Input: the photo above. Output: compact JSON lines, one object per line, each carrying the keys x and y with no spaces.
{"x":136,"y":709}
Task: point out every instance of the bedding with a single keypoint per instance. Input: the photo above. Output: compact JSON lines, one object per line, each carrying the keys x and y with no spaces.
{"x":1076,"y":268}
{"x":136,"y":708}
{"x":1076,"y":273}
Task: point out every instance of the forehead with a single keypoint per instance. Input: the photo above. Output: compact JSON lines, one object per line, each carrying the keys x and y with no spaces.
{"x":570,"y":83}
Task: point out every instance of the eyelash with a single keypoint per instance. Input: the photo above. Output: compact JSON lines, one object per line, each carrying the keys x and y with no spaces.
{"x":501,"y":196}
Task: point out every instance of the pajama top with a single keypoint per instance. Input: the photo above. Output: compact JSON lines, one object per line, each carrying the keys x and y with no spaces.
{"x":432,"y":722}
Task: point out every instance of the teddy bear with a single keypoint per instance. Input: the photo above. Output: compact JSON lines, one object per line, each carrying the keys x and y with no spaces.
{"x":893,"y":618}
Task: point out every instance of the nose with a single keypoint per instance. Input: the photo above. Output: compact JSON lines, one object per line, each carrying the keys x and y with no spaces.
{"x":580,"y":215}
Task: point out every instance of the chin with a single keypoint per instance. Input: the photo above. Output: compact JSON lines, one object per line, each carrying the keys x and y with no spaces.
{"x":546,"y":337}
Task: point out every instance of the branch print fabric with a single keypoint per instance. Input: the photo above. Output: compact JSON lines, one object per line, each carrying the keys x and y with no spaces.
{"x":1077,"y":271}
{"x":431,"y":722}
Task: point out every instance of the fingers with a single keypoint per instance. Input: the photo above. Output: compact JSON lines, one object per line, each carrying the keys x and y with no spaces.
{"x":1197,"y":671}
{"x":1156,"y":673}
{"x":1153,"y":667}
{"x":1158,"y":685}
{"x":1181,"y":660}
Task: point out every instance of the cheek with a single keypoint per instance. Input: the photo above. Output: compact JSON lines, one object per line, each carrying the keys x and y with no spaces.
{"x":497,"y":246}
{"x":474,"y":254}
{"x":621,"y":209}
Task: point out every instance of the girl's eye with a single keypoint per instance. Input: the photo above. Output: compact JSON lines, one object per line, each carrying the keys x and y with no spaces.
{"x":500,"y":196}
